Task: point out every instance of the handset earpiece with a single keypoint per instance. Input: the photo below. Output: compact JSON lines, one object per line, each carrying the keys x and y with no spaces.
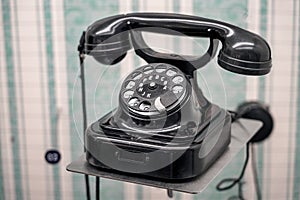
{"x":107,"y":40}
{"x":245,"y":53}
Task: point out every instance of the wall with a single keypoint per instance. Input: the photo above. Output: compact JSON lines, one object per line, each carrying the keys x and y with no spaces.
{"x":40,"y":105}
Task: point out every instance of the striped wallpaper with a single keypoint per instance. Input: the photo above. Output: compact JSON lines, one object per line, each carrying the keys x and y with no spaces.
{"x":40,"y":104}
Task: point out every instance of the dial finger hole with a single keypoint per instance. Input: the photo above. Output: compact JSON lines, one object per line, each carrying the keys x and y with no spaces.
{"x":161,"y":68}
{"x":148,"y":70}
{"x":177,"y":89}
{"x":145,"y":105}
{"x":137,"y":76}
{"x":133,"y":101}
{"x":129,"y":84}
{"x":177,"y":79}
{"x":171,"y":72}
{"x":128,"y":94}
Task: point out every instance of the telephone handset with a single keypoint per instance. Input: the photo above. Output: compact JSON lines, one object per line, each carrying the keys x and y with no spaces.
{"x":164,"y":127}
{"x":242,"y":51}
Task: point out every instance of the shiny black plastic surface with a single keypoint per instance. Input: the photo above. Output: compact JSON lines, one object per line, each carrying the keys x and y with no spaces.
{"x":242,"y":52}
{"x":114,"y":149}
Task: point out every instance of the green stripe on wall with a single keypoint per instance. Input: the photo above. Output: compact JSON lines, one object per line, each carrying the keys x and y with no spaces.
{"x":2,"y":130}
{"x":139,"y":192}
{"x":2,"y":191}
{"x":263,"y":32}
{"x":135,"y":5}
{"x":10,"y":66}
{"x":296,"y":185}
{"x":21,"y":108}
{"x":176,"y":6}
{"x":267,"y":149}
{"x":43,"y":88}
{"x":52,"y":97}
{"x":261,"y":89}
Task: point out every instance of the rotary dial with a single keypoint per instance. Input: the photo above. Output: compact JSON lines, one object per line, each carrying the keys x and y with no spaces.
{"x":155,"y":87}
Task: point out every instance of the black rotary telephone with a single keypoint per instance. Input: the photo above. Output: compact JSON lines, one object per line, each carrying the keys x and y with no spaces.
{"x":164,"y":128}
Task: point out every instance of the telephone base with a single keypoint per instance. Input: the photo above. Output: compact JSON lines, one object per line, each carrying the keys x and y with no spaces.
{"x":167,"y":163}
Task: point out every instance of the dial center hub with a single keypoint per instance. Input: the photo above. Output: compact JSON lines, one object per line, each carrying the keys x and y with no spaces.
{"x":152,"y":86}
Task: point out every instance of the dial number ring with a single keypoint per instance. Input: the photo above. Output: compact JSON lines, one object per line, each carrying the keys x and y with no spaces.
{"x":147,"y":83}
